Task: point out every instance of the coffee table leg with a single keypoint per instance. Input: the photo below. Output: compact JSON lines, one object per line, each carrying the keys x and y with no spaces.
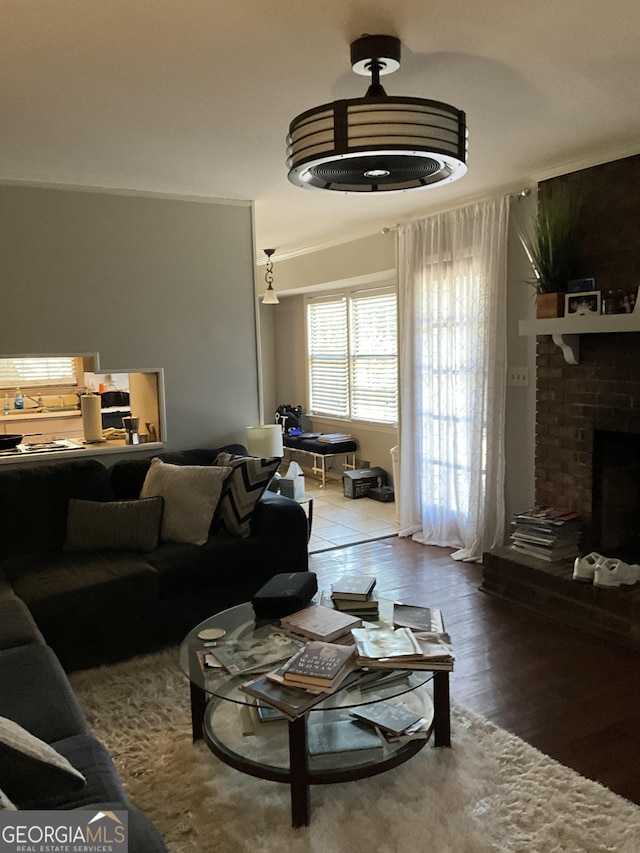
{"x":441,"y":709}
{"x":299,"y":772}
{"x":198,"y":705}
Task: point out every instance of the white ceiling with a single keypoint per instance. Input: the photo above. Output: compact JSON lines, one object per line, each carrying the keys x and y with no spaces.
{"x":194,"y":97}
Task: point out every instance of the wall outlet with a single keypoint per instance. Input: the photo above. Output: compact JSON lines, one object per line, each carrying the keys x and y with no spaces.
{"x":518,"y":376}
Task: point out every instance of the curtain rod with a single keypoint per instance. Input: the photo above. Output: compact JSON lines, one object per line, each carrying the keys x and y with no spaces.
{"x":519,"y":195}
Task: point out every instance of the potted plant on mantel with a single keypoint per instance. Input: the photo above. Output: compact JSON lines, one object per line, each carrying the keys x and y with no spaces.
{"x":551,"y":244}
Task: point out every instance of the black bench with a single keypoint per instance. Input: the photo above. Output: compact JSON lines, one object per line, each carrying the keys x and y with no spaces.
{"x":320,"y":451}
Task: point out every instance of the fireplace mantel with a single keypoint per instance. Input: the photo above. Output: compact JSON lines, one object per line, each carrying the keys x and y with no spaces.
{"x":566,"y":331}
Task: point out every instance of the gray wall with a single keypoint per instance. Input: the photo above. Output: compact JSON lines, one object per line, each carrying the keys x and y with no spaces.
{"x":145,"y":282}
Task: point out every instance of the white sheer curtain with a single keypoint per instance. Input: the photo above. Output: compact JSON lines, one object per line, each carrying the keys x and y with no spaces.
{"x":452,"y":327}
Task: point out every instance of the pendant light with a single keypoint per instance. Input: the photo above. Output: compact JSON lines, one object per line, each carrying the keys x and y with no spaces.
{"x":378,"y":143}
{"x":270,"y":297}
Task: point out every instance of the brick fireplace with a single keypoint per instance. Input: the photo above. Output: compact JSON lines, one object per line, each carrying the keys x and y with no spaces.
{"x":588,"y":437}
{"x":588,"y":426}
{"x":581,"y":408}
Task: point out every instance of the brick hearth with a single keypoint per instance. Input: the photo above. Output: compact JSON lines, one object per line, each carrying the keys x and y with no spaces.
{"x":547,"y":588}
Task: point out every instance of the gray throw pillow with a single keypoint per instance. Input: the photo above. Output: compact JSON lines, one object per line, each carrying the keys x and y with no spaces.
{"x":114,"y":525}
{"x":242,"y":491}
{"x":191,"y":494}
{"x":30,"y":769}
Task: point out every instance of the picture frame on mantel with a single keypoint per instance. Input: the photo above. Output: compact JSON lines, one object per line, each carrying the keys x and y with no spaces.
{"x":580,"y":285}
{"x":584,"y":304}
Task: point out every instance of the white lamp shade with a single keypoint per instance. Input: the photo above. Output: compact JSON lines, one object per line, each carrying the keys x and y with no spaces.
{"x":265,"y":440}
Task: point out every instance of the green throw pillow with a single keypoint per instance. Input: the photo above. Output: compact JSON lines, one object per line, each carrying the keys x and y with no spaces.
{"x":114,"y":525}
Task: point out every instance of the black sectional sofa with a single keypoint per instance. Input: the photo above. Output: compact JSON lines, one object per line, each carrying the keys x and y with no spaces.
{"x":98,"y":606}
{"x":35,"y":694}
{"x":66,"y":609}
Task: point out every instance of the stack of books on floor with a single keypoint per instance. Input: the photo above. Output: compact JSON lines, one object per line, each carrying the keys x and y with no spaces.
{"x":547,"y":533}
{"x":394,"y":720}
{"x":355,"y":594}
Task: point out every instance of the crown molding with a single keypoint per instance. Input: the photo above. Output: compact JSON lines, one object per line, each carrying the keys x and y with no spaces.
{"x":588,"y":161}
{"x":125,"y":191}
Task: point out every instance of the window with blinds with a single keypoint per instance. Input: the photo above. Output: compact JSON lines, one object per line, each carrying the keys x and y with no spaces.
{"x":353,"y":355}
{"x":37,"y":372}
{"x":328,"y":345}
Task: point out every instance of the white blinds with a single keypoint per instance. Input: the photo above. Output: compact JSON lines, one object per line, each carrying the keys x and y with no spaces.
{"x":328,"y":345}
{"x":374,"y":357}
{"x":353,"y":362}
{"x":35,"y":372}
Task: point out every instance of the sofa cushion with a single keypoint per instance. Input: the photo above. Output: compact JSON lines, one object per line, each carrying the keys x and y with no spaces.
{"x":222,"y":564}
{"x":31,"y":769}
{"x":114,"y":525}
{"x":242,"y":491}
{"x":82,"y":581}
{"x":34,"y":500}
{"x":191,"y":494}
{"x":36,"y":694}
{"x":90,"y":757}
{"x":17,"y":626}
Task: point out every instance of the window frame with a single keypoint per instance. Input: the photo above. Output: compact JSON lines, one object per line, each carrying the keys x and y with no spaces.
{"x":43,"y":386}
{"x":351,"y":295}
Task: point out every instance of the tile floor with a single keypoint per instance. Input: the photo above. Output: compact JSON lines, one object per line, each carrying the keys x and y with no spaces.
{"x":339,"y":521}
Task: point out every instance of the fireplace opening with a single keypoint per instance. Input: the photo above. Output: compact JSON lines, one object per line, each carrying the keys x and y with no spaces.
{"x":616,"y":494}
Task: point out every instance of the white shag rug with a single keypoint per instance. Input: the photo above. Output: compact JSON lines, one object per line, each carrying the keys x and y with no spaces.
{"x":489,"y":792}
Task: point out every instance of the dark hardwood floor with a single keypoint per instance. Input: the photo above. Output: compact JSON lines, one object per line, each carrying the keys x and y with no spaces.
{"x":572,"y":695}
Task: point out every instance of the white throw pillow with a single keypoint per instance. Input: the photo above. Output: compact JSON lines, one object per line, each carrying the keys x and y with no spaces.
{"x":30,"y":768}
{"x":5,"y":803}
{"x":191,"y":494}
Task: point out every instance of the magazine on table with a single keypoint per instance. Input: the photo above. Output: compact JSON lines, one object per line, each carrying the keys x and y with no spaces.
{"x":257,"y":654}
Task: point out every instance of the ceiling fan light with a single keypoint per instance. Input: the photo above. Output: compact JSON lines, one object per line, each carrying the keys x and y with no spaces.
{"x":377,"y":143}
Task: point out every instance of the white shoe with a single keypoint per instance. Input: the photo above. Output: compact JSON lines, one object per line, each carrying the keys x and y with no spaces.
{"x":613,"y":573}
{"x":584,"y":567}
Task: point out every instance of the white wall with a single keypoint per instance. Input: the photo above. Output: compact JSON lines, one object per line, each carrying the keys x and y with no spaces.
{"x":521,"y":352}
{"x":146,"y":282}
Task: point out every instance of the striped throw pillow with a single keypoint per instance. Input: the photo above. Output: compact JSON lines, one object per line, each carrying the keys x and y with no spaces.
{"x":249,"y":478}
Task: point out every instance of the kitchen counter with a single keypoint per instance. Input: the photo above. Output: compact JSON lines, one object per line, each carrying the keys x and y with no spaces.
{"x":75,"y":449}
{"x":32,"y":415}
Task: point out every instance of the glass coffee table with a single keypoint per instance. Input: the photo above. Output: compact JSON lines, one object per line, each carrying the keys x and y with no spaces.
{"x":243,"y":734}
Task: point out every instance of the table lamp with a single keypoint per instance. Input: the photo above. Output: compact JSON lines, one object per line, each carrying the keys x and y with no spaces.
{"x":265,"y":441}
